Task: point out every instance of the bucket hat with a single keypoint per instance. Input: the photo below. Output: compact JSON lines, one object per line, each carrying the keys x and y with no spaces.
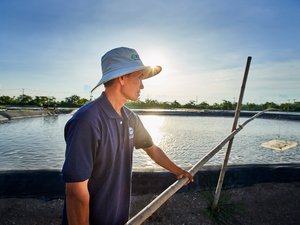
{"x":121,"y":61}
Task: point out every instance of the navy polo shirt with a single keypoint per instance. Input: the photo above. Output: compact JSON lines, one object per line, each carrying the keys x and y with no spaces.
{"x":99,"y":147}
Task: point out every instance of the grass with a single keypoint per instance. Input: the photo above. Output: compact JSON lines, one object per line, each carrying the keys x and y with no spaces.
{"x":226,"y":211}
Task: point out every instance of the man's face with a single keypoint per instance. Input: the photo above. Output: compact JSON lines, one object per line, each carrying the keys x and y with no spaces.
{"x":133,"y":85}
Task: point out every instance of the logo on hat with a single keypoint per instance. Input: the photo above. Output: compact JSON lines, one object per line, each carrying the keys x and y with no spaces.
{"x":135,"y":56}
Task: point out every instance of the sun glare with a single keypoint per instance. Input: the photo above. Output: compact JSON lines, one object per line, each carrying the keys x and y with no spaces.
{"x":153,"y":124}
{"x":154,"y":58}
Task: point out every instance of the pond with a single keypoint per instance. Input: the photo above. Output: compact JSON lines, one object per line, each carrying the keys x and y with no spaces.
{"x":38,"y":143}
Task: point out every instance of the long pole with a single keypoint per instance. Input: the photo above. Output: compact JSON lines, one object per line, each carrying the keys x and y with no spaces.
{"x":172,"y":189}
{"x":235,"y":122}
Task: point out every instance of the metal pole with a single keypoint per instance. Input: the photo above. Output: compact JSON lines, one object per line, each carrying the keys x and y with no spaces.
{"x":235,"y":122}
{"x":171,"y":190}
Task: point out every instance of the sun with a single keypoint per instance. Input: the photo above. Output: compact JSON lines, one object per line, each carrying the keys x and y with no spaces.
{"x":154,"y":58}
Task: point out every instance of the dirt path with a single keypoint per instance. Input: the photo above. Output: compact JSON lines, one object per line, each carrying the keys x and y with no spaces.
{"x":263,"y":204}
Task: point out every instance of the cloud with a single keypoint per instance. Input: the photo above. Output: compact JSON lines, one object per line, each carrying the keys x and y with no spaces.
{"x":274,"y":81}
{"x":205,"y":44}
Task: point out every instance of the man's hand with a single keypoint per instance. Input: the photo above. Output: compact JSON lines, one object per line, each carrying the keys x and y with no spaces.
{"x":186,"y":174}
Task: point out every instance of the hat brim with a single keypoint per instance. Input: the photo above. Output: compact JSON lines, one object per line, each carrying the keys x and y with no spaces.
{"x":149,"y":72}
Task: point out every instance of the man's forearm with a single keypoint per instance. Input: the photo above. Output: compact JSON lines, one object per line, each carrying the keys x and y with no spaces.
{"x":163,"y":160}
{"x":77,"y":203}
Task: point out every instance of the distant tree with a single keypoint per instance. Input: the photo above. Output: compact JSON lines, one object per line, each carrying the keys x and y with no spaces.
{"x":175,"y":105}
{"x":41,"y":101}
{"x":74,"y":101}
{"x":134,"y":104}
{"x":77,"y":101}
{"x":150,"y":103}
{"x":24,"y":99}
{"x":165,"y":105}
{"x":215,"y":106}
{"x":285,"y":107}
{"x":6,"y":100}
{"x":52,"y":101}
{"x":268,"y":105}
{"x":250,"y":106}
{"x":190,"y":105}
{"x":204,"y":105}
{"x":226,"y":105}
{"x":82,"y":101}
{"x":296,"y":106}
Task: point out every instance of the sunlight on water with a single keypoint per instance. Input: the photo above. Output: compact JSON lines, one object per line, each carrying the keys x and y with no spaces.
{"x":188,"y":139}
{"x":154,"y":125}
{"x":38,"y":143}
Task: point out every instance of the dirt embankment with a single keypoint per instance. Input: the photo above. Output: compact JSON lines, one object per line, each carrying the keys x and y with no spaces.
{"x":30,"y":113}
{"x":263,"y":204}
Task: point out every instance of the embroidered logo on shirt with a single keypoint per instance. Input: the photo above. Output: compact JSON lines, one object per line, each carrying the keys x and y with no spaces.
{"x":131,"y":133}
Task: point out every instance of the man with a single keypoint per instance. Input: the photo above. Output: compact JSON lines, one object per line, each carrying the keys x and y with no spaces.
{"x":100,"y":138}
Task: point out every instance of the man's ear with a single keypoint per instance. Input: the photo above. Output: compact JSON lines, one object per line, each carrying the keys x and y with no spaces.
{"x":121,"y":80}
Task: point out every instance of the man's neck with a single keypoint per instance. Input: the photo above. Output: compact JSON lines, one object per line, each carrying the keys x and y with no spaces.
{"x":115,"y":100}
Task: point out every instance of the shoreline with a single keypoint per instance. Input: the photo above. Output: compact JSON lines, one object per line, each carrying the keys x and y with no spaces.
{"x":6,"y":115}
{"x":48,"y":184}
{"x":261,"y":194}
{"x":220,"y":113}
{"x":265,"y":204}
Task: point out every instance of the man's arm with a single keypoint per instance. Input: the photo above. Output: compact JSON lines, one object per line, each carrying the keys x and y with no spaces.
{"x":158,"y":156}
{"x":77,"y":200}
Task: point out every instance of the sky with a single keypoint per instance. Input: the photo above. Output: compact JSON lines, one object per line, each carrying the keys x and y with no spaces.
{"x":54,"y":47}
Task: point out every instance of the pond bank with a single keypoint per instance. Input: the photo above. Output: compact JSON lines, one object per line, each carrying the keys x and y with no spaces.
{"x":30,"y":113}
{"x":261,"y":194}
{"x":6,"y":115}
{"x":48,"y":184}
{"x":219,"y":113}
{"x":2,"y":118}
{"x":263,"y":204}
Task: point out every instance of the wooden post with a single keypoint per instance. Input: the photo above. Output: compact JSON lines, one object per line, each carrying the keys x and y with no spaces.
{"x":171,"y":190}
{"x":235,"y":122}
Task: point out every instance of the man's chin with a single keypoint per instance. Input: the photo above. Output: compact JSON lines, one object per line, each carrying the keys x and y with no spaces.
{"x":134,"y":98}
{"x":137,"y":97}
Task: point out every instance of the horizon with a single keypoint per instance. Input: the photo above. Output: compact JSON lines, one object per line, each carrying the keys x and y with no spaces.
{"x":53,"y":48}
{"x":293,"y":101}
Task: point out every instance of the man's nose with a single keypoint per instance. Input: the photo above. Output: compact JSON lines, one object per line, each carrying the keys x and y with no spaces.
{"x":141,"y":85}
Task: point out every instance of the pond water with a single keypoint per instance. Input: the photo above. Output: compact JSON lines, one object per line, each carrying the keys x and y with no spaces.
{"x":38,"y":143}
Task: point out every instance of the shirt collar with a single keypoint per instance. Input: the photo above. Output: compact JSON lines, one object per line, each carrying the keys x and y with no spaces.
{"x":109,"y":110}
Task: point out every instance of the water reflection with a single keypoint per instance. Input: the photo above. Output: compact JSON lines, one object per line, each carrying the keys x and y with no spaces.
{"x":187,"y":139}
{"x":51,"y":119}
{"x":38,"y":143}
{"x":35,"y":143}
{"x":154,"y":125}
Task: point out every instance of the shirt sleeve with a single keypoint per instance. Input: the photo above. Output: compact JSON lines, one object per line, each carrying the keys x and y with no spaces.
{"x":142,"y":138}
{"x":81,"y":144}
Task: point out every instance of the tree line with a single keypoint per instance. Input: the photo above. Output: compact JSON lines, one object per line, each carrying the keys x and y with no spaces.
{"x":77,"y":101}
{"x":42,"y":101}
{"x":224,"y":105}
